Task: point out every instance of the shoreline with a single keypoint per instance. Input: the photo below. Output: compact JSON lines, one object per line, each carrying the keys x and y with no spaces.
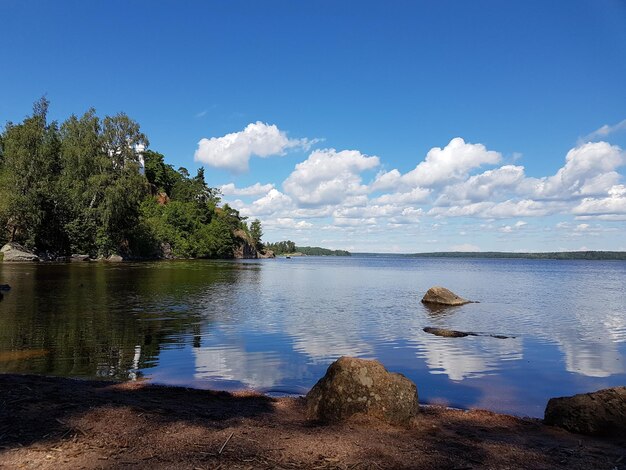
{"x":51,"y":422}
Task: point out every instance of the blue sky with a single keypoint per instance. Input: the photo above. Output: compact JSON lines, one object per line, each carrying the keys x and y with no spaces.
{"x":334,"y":111}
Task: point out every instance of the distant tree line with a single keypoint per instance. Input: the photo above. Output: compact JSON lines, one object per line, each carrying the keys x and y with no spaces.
{"x":560,"y":255}
{"x":76,"y":187}
{"x":289,"y":247}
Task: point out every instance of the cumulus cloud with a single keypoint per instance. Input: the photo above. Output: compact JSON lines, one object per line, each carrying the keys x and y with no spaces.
{"x":233,"y":151}
{"x":484,"y":186}
{"x":273,"y":202}
{"x":453,"y":162}
{"x":256,"y":189}
{"x":329,"y":177}
{"x":614,"y":203}
{"x":288,"y":222}
{"x":512,"y":228}
{"x":341,"y":189}
{"x":587,"y":167}
{"x":411,"y":197}
{"x":501,"y":210}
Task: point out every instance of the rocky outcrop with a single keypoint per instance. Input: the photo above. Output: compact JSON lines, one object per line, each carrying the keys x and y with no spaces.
{"x":245,"y":248}
{"x":600,"y":413}
{"x":245,"y":251}
{"x":442,"y":296}
{"x":265,"y":254}
{"x":353,"y":386}
{"x":14,"y":252}
{"x":115,"y":259}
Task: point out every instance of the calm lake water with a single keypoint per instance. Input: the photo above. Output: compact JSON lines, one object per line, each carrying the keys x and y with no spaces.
{"x":275,"y":325}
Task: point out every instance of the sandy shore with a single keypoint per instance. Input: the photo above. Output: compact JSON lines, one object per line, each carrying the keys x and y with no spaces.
{"x":61,"y":423}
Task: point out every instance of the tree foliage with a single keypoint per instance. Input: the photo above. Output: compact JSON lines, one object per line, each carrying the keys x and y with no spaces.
{"x":78,"y":188}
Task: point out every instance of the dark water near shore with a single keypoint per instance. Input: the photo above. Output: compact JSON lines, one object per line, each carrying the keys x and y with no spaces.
{"x":275,"y":325}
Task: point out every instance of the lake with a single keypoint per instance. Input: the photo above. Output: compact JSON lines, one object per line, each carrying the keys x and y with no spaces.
{"x":275,"y":325}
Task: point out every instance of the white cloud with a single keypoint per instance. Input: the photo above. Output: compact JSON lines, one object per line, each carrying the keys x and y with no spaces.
{"x":329,"y":177}
{"x":484,"y":186}
{"x":335,"y":187}
{"x":350,"y":222}
{"x":512,"y":228}
{"x":606,"y":130}
{"x":614,"y":204}
{"x":233,"y":151}
{"x":586,"y":168}
{"x":256,"y":189}
{"x":288,"y":222}
{"x":453,"y":162}
{"x":506,"y":209}
{"x":410,"y":197}
{"x":273,"y":202}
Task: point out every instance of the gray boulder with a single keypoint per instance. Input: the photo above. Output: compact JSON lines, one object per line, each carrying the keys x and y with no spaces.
{"x":79,"y":258}
{"x":115,"y":259}
{"x":353,"y":386}
{"x":14,"y":252}
{"x":442,"y":296}
{"x":600,"y":413}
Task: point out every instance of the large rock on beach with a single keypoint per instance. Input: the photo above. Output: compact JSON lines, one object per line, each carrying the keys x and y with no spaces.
{"x":598,"y":413}
{"x":353,"y":386}
{"x":14,"y":252}
{"x":442,"y":296}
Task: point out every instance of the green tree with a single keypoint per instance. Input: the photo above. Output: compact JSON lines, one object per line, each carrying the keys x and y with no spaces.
{"x":31,"y":206}
{"x":256,"y":231}
{"x":162,"y":177}
{"x":119,"y":187}
{"x":83,"y":162}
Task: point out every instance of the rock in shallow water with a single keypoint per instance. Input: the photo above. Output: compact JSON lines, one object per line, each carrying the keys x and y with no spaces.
{"x":353,"y":386}
{"x":446,"y":333}
{"x":600,"y":413}
{"x":442,"y":296}
{"x":13,"y":252}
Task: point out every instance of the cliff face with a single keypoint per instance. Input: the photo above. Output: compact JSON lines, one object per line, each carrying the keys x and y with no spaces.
{"x":246,"y":249}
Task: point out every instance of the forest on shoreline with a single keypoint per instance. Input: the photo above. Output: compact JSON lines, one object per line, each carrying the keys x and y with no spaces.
{"x":88,"y":185}
{"x":288,"y":247}
{"x":555,"y":255}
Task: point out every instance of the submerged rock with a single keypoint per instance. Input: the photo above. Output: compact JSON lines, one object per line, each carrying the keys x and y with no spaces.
{"x":353,"y":386}
{"x":446,"y":333}
{"x":601,"y":413}
{"x":460,"y":334}
{"x":442,"y":296}
{"x":14,"y":252}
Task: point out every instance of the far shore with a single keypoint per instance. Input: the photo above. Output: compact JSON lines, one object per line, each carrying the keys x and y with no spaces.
{"x":48,"y":422}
